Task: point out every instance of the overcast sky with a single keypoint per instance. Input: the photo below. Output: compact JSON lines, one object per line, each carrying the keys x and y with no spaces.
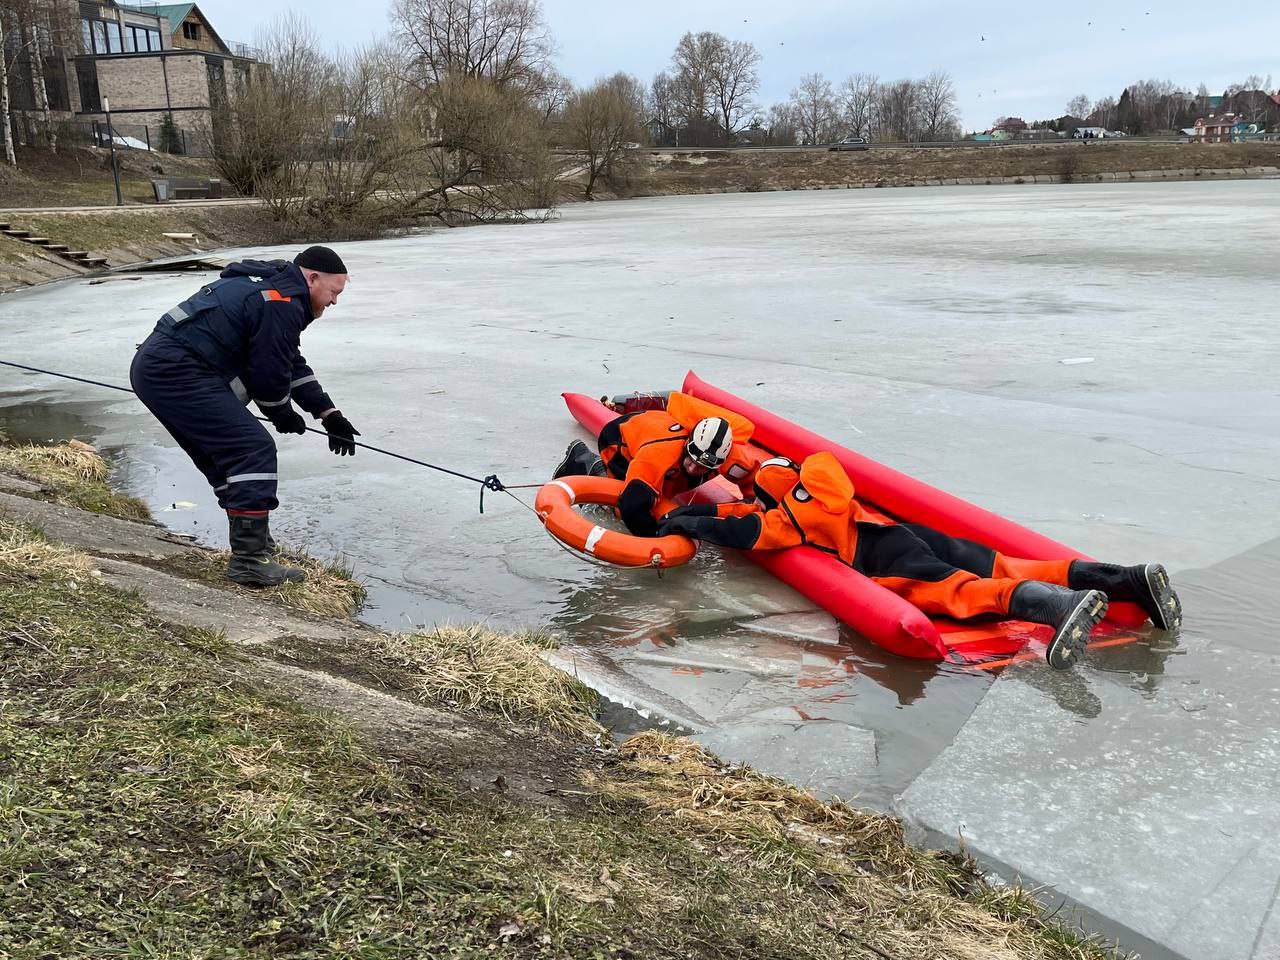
{"x":1029,"y":64}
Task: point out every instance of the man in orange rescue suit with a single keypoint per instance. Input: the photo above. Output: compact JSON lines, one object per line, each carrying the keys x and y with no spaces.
{"x":813,"y":504}
{"x":664,"y":453}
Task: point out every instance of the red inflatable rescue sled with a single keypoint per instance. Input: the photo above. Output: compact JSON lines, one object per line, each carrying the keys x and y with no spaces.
{"x":868,"y":608}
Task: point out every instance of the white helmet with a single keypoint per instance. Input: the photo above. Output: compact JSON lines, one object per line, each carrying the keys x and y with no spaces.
{"x":710,"y":442}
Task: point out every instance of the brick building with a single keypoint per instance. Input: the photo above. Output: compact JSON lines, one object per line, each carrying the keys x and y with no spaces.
{"x":148,"y":60}
{"x":1219,"y":129}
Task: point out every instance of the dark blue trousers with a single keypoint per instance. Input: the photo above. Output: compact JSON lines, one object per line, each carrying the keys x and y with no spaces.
{"x":194,"y":403}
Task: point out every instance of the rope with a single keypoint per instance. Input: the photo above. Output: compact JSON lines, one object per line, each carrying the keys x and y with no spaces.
{"x":491,"y":482}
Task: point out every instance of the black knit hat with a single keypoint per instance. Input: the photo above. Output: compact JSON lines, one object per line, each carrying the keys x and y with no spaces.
{"x":320,"y":258}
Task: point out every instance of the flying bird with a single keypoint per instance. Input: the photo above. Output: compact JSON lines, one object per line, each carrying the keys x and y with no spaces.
{"x":982,"y":37}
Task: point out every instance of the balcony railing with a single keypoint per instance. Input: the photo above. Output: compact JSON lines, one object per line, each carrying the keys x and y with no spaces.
{"x":244,"y":51}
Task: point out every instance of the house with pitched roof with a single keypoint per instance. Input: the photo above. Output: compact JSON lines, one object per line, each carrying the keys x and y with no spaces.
{"x":148,"y":61}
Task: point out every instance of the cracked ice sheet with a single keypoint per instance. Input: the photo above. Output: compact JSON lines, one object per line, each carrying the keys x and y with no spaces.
{"x":830,"y":758}
{"x":1156,"y":801}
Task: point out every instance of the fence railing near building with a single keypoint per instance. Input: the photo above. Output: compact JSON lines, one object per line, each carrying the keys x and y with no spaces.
{"x":245,"y":51}
{"x":154,"y":138}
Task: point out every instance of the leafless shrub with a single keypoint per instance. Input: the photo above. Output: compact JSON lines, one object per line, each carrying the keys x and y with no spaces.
{"x":599,"y":123}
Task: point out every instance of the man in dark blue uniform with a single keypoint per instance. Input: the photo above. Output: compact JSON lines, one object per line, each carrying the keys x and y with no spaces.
{"x":235,"y":341}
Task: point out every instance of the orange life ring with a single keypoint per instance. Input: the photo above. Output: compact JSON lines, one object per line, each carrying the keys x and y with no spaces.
{"x":554,"y":505}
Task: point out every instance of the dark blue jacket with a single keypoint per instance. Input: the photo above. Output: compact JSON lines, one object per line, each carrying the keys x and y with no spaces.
{"x":247,"y":325}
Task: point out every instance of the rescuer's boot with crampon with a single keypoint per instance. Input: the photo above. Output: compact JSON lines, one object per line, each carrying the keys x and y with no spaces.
{"x":1072,"y":614}
{"x":1146,"y":584}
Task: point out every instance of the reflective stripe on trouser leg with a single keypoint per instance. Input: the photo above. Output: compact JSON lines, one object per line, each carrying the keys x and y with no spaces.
{"x":202,"y":414}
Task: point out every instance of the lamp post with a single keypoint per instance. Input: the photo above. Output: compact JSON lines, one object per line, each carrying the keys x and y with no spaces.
{"x":115,"y":168}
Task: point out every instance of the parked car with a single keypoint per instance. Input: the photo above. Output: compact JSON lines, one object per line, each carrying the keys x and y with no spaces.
{"x":850,"y":143}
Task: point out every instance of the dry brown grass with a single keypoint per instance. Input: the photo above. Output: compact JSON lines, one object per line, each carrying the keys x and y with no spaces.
{"x":885,"y":895}
{"x":329,"y":590}
{"x":752,"y":171}
{"x":68,"y":462}
{"x":75,"y":475}
{"x":24,"y":552}
{"x":481,"y":669}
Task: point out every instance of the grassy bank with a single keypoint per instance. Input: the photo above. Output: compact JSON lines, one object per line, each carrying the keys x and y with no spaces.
{"x":154,"y":803}
{"x":71,"y":473}
{"x":75,"y":474}
{"x":137,"y":234}
{"x":81,"y":176}
{"x":750,"y":171}
{"x":149,"y":807}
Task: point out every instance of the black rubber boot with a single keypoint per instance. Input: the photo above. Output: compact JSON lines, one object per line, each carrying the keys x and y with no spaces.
{"x":251,"y":564}
{"x":1146,"y":584}
{"x":1072,"y":614}
{"x":579,"y":461}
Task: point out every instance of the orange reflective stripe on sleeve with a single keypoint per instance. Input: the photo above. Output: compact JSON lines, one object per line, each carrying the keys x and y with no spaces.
{"x":276,"y":295}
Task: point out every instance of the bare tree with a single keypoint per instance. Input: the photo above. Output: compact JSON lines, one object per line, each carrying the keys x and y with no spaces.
{"x":1079,"y":106}
{"x":1252,"y":82}
{"x":1202,"y":98}
{"x":814,"y":106}
{"x":858,"y":101}
{"x":898,"y":108}
{"x":661,"y":102}
{"x":552,"y":93}
{"x":601,"y":121}
{"x":633,"y":90}
{"x":6,"y":128}
{"x":488,"y":157}
{"x":368,"y":144}
{"x":504,"y":41}
{"x":731,"y":82}
{"x":937,"y":104}
{"x":34,"y":31}
{"x":784,"y":129}
{"x":278,"y":120}
{"x":39,"y":30}
{"x":1105,"y":112}
{"x":1147,"y":107}
{"x":691,"y":68}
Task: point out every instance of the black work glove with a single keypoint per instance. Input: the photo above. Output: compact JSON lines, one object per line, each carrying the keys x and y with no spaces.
{"x":341,"y":434}
{"x":286,"y":419}
{"x":685,"y":525}
{"x":697,"y":510}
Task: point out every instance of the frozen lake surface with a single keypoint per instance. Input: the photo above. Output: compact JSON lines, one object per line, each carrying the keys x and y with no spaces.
{"x":1097,"y":362}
